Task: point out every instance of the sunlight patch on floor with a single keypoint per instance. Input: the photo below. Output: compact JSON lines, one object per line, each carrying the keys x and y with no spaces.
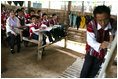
{"x":78,"y":47}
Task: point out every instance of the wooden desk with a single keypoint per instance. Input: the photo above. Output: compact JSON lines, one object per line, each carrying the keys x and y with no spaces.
{"x":40,"y":40}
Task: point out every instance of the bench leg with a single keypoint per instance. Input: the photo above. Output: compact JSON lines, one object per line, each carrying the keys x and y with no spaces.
{"x":21,"y":37}
{"x":39,"y":55}
{"x":66,"y":42}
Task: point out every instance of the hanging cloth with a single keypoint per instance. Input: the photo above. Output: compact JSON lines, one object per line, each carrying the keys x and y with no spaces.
{"x":78,"y":20}
{"x":74,"y":20}
{"x":9,"y":2}
{"x":21,"y":3}
{"x":70,"y":18}
{"x":15,"y":2}
{"x":82,"y":23}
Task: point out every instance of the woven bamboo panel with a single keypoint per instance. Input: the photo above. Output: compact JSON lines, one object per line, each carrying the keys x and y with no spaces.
{"x":76,"y":35}
{"x":74,"y":70}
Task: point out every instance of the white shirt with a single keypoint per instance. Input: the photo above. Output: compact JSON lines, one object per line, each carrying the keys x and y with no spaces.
{"x":10,"y":28}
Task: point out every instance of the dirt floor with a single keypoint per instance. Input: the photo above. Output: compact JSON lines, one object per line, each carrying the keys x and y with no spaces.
{"x":25,"y":64}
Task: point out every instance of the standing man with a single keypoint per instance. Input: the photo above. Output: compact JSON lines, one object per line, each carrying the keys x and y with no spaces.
{"x":98,"y":39}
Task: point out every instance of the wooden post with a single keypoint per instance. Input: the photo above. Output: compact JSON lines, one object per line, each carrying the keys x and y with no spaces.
{"x":69,"y":9}
{"x":66,"y":14}
{"x":21,"y":37}
{"x":66,"y":39}
{"x":111,"y":62}
{"x":49,"y":4}
{"x":103,"y":2}
{"x":29,"y":6}
{"x":39,"y":54}
{"x":69,"y":6}
{"x":82,"y":7}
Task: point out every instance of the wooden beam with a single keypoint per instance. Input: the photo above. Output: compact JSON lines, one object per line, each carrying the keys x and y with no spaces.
{"x":51,"y":43}
{"x":30,"y":40}
{"x":111,"y":62}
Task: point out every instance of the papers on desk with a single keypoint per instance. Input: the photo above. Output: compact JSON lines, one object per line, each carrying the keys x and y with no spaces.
{"x":56,"y":26}
{"x":47,"y":29}
{"x":27,"y":24}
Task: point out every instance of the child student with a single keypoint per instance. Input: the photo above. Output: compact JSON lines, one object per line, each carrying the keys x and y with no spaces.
{"x":34,"y":26}
{"x":28,"y":19}
{"x":24,"y":13}
{"x":57,"y":32}
{"x":45,"y":21}
{"x":22,"y":22}
{"x":39,"y":13}
{"x":21,"y":17}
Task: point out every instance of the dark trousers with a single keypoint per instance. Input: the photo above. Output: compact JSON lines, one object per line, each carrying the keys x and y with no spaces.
{"x":55,"y":33}
{"x":3,"y":34}
{"x":12,"y":41}
{"x":34,"y":36}
{"x":78,"y":24}
{"x":58,"y":32}
{"x":26,"y":34}
{"x":49,"y":36}
{"x":62,"y":32}
{"x":90,"y":67}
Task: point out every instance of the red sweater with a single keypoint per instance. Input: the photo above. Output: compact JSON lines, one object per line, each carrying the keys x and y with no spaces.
{"x":3,"y":20}
{"x":46,"y":22}
{"x":54,"y":22}
{"x":100,"y":36}
{"x":36,"y":26}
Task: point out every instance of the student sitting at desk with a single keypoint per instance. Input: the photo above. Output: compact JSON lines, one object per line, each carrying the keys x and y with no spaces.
{"x":39,"y":19}
{"x":22,"y":22}
{"x":11,"y":28}
{"x":39,"y":13}
{"x":57,"y":32}
{"x":25,"y":13}
{"x":21,"y":17}
{"x":34,"y":26}
{"x":45,"y":21}
{"x":28,"y":19}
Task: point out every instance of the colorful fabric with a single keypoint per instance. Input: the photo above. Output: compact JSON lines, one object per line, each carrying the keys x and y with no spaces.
{"x":82,"y":23}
